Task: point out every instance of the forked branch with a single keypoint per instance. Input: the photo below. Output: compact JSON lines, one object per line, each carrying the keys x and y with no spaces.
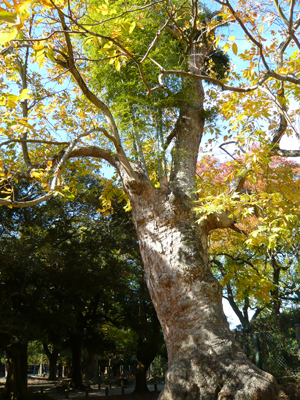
{"x":71,"y":152}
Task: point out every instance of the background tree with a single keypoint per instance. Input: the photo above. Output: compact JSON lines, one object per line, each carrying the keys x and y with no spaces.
{"x":257,"y":262}
{"x":61,"y":267}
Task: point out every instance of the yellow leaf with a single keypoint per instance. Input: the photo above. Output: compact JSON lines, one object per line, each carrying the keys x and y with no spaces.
{"x":234,"y":48}
{"x":35,"y":174}
{"x":24,"y":5}
{"x":8,"y":36}
{"x":9,"y":17}
{"x":107,"y":45}
{"x":226,"y":47}
{"x":132,"y":26}
{"x":50,"y":55}
{"x":24,"y":123}
{"x":24,"y":95}
{"x":117,"y":64}
{"x":38,"y":46}
{"x":103,"y":9}
{"x":231,"y":38}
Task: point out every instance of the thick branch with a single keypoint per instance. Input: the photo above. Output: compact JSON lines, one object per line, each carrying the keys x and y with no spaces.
{"x":218,"y":82}
{"x":96,"y":152}
{"x":285,"y":153}
{"x":219,"y":220}
{"x":29,"y":203}
{"x":114,"y":135}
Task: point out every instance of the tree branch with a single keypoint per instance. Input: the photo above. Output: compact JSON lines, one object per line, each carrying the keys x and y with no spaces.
{"x":242,"y":317}
{"x":285,"y":153}
{"x":33,"y":141}
{"x":96,"y":152}
{"x":71,"y":152}
{"x":114,"y":135}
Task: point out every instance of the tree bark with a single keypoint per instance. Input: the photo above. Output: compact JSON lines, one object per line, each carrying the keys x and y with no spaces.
{"x":76,"y":345}
{"x":92,"y":366}
{"x":148,"y":344}
{"x":52,"y":357}
{"x":61,"y":370}
{"x":276,"y":303}
{"x":16,"y":381}
{"x":141,"y":376}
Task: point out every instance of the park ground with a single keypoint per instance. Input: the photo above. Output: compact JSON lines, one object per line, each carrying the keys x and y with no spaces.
{"x":53,"y":390}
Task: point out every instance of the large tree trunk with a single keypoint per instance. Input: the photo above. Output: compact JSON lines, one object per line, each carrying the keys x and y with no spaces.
{"x":76,"y":346}
{"x":204,"y":361}
{"x":52,"y":357}
{"x":92,"y":366}
{"x":16,"y":381}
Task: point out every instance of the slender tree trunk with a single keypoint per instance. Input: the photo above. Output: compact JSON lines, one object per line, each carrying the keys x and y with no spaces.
{"x":16,"y":381}
{"x":61,"y":370}
{"x":276,"y":303}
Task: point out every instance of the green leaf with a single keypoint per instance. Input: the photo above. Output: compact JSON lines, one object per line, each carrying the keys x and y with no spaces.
{"x":9,"y":17}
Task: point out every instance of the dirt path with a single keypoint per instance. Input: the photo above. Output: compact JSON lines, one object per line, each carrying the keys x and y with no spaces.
{"x":55,"y":392}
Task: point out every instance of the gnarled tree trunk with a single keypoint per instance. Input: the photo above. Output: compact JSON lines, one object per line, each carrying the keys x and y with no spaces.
{"x":205,"y":362}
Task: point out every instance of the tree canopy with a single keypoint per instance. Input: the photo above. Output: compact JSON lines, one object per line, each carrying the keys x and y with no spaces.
{"x":144,"y":52}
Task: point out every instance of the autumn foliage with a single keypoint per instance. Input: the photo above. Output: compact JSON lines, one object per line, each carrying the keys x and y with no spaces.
{"x":266,"y":234}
